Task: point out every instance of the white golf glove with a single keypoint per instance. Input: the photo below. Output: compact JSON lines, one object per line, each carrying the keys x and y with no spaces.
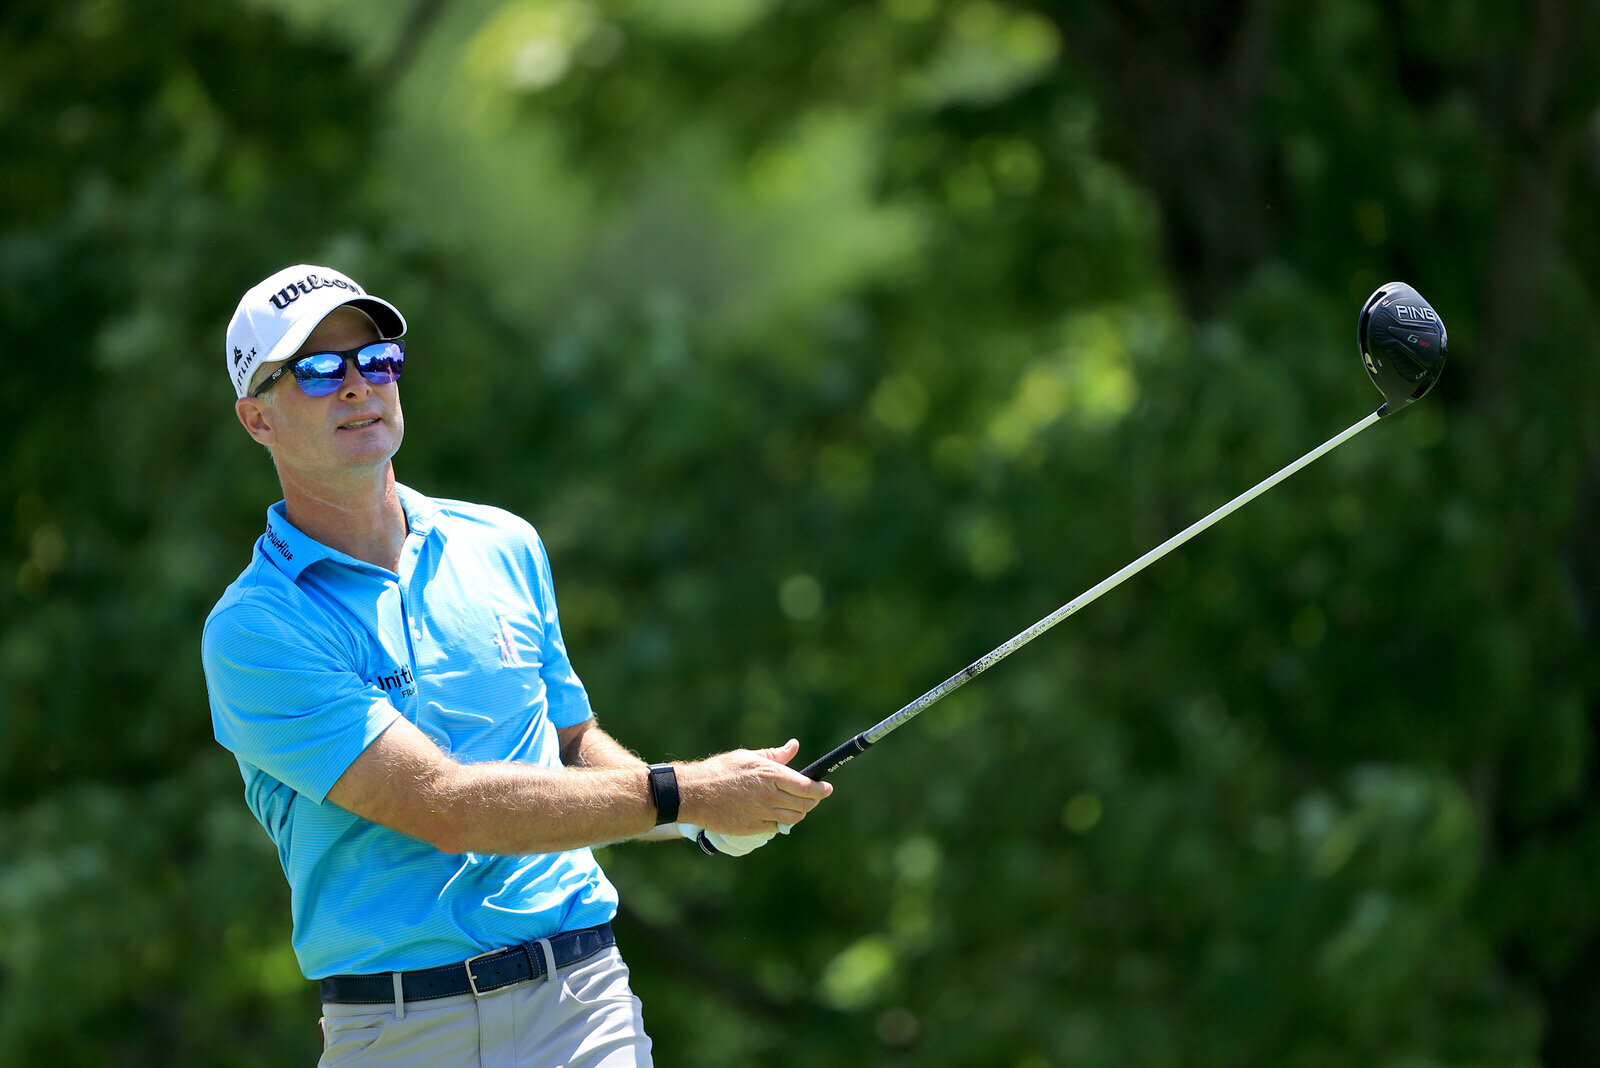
{"x":734,"y":845}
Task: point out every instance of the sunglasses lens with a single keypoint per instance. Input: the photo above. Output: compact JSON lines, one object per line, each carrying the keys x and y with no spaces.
{"x":319,"y":374}
{"x":380,"y":364}
{"x":322,"y":373}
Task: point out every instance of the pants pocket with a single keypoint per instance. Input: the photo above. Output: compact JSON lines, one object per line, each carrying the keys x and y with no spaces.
{"x":346,"y":1037}
{"x":598,"y":979}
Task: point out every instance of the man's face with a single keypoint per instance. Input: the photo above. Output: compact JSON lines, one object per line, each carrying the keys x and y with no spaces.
{"x":358,"y":427}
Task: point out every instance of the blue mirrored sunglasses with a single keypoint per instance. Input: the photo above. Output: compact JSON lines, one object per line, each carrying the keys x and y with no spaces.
{"x":319,"y":374}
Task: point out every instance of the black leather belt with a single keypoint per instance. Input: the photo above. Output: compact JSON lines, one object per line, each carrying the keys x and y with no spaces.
{"x":476,"y":975}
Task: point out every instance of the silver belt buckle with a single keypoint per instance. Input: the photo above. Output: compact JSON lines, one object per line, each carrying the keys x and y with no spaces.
{"x":472,"y":980}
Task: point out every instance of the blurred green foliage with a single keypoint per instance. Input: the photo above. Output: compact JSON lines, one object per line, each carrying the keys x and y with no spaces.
{"x":828,"y":345}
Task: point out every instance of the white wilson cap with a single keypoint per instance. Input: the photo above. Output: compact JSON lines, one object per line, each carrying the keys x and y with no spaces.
{"x":278,"y":313}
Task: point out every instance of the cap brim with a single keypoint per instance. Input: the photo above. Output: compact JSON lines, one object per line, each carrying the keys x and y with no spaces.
{"x":385,"y":316}
{"x":390,"y":323}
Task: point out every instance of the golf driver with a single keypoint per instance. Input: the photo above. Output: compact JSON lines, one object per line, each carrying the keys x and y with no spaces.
{"x":1402,"y":342}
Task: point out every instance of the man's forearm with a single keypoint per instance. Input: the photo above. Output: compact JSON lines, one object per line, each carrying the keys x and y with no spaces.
{"x":588,"y":746}
{"x":513,"y":809}
{"x":602,"y":794}
{"x":594,"y":748}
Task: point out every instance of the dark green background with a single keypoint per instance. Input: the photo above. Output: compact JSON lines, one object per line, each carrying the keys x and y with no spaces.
{"x":829,"y":344}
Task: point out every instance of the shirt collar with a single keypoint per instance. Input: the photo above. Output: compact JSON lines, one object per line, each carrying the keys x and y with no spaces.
{"x":293,"y":551}
{"x":421,"y":511}
{"x":285,"y":546}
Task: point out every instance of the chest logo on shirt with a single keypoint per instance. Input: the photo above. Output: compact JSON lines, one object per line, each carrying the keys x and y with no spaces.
{"x":400,"y":681}
{"x":506,"y":642}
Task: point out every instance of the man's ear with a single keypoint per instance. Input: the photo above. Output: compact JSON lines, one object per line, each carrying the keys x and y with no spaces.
{"x":257,"y":418}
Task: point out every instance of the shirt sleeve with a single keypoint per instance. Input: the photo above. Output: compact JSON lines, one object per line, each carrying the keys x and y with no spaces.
{"x":285,"y":701}
{"x":568,"y":700}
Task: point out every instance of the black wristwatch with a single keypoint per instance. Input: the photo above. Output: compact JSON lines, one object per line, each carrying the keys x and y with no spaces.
{"x":664,"y":791}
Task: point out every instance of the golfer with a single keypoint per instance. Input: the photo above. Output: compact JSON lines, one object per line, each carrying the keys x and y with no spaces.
{"x":390,"y":674}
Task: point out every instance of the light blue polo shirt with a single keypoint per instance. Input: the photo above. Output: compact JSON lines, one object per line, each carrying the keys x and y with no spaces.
{"x":311,"y":654}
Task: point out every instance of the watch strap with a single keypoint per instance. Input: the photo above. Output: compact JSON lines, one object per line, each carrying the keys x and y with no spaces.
{"x":664,"y":792}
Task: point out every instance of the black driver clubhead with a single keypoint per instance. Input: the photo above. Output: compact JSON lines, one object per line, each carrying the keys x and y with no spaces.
{"x":1402,"y":343}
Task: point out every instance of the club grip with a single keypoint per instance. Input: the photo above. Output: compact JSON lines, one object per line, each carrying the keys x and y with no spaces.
{"x":833,"y":760}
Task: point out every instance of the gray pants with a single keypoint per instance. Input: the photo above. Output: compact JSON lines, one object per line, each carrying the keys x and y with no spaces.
{"x":585,"y":1016}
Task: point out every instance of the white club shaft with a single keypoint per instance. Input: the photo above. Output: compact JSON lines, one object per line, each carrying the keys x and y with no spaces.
{"x":995,"y":656}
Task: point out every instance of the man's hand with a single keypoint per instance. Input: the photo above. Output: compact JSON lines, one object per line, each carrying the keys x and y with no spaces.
{"x":747,"y":793}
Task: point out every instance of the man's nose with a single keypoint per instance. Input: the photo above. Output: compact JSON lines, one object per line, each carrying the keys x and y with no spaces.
{"x":354,"y":385}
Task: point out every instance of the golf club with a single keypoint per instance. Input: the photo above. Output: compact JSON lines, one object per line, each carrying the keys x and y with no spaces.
{"x":1402,"y":343}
